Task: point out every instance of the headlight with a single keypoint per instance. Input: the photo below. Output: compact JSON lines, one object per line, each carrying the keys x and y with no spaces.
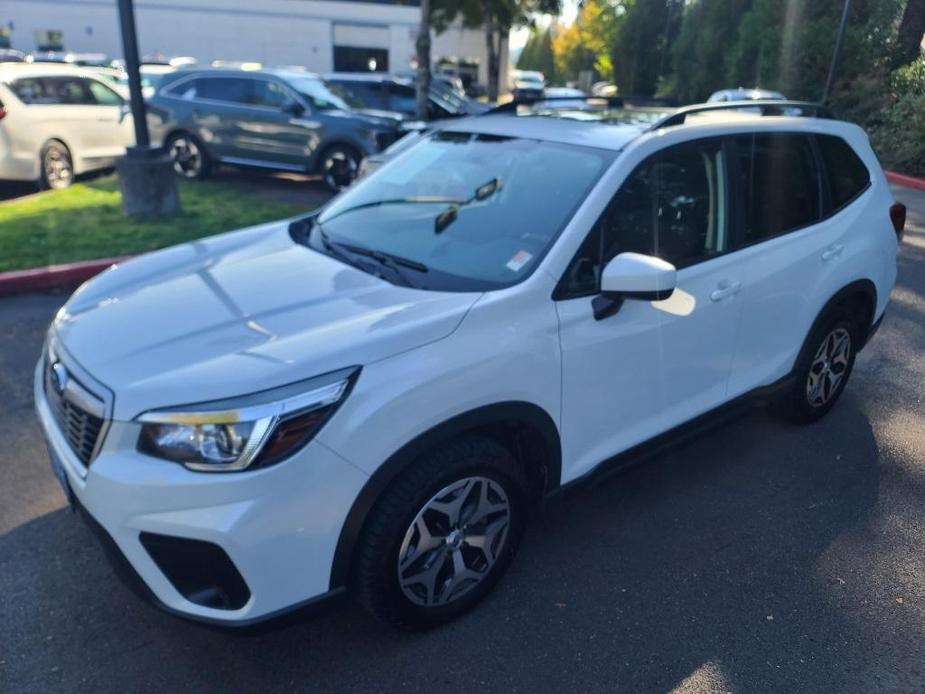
{"x":244,"y":433}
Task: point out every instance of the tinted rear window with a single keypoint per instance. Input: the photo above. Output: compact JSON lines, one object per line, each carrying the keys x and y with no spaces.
{"x":53,"y":90}
{"x":780,"y":184}
{"x":846,"y":172}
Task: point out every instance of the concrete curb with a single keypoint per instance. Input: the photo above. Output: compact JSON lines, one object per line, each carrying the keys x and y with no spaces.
{"x":53,"y":276}
{"x":903,"y":180}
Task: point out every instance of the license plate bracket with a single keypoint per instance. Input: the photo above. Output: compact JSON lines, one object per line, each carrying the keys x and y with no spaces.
{"x":58,"y":468}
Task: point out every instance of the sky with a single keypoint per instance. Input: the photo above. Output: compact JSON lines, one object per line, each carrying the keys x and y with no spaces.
{"x":569,"y":10}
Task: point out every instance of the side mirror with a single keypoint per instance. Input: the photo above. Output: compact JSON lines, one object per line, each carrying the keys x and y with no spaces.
{"x":293,"y":108}
{"x":633,"y":276}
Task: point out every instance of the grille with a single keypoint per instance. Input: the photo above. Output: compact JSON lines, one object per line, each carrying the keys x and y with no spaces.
{"x":80,"y":427}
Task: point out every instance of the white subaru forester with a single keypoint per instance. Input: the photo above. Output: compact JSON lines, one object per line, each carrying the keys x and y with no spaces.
{"x":373,"y":397}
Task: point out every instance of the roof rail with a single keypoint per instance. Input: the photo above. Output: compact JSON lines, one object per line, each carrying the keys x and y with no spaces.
{"x":511,"y":106}
{"x":768,"y":107}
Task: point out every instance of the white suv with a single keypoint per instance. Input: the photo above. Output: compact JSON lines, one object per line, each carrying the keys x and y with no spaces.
{"x":58,"y":121}
{"x":373,"y":397}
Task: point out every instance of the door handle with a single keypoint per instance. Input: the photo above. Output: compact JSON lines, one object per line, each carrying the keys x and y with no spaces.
{"x":832,"y":252}
{"x":725,"y":289}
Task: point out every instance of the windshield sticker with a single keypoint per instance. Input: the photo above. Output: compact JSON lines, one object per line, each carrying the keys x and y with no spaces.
{"x":520,"y":259}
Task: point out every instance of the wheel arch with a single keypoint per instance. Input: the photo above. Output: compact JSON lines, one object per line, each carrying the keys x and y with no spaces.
{"x":860,"y":298}
{"x":525,"y":429}
{"x":76,"y":160}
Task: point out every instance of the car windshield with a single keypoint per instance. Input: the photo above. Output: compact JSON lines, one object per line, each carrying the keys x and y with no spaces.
{"x":478,"y":211}
{"x":319,"y":93}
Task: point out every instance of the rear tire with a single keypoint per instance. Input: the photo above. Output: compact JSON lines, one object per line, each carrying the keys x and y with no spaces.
{"x":189,"y":156}
{"x":57,"y":168}
{"x":441,"y":535}
{"x":823,"y":368}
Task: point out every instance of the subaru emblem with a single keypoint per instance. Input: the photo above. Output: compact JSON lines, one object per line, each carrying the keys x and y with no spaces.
{"x":59,"y":376}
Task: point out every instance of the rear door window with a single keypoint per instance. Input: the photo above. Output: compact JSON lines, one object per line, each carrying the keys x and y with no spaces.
{"x":847,"y":176}
{"x":779,"y":183}
{"x":234,"y":90}
{"x":63,"y":90}
{"x":33,"y":90}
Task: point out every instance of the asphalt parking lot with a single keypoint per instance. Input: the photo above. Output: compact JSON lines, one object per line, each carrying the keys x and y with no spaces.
{"x":761,"y":558}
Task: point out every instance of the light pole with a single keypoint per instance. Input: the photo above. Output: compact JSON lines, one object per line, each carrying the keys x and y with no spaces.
{"x":833,"y":66}
{"x":149,"y":187}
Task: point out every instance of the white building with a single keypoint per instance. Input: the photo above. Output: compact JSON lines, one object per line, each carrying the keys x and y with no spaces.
{"x":322,"y":35}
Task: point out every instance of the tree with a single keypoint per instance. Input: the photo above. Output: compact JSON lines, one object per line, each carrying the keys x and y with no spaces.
{"x":422,"y":48}
{"x":700,"y":54}
{"x":496,"y":18}
{"x":587,"y":44}
{"x":538,"y":54}
{"x":644,"y":32}
{"x":910,"y":34}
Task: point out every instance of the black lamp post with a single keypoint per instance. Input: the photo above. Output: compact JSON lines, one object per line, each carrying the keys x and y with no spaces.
{"x":149,"y":187}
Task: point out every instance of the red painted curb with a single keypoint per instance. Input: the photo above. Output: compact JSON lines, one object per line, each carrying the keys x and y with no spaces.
{"x":52,"y":276}
{"x":903,"y":180}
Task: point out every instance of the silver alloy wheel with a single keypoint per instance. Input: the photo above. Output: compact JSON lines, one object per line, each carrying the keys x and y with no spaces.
{"x":57,"y":166}
{"x":454,"y":541}
{"x":338,"y":169}
{"x":829,"y":367}
{"x":187,"y":158}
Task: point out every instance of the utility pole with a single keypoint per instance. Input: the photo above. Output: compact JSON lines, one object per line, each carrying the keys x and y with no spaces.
{"x":422,"y":48}
{"x":836,"y":55}
{"x":149,"y":186}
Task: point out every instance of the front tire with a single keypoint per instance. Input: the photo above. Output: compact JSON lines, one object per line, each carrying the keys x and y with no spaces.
{"x":57,"y":168}
{"x":442,"y":534}
{"x":823,"y":368}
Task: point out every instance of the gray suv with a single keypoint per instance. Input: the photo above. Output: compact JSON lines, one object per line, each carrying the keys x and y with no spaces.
{"x":276,"y":119}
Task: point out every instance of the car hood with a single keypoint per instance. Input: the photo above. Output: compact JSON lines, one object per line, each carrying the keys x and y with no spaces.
{"x":239,"y":313}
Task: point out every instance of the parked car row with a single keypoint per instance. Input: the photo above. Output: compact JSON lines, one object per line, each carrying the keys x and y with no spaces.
{"x":54,"y":127}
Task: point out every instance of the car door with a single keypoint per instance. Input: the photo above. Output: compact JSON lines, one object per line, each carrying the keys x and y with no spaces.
{"x":652,"y":365}
{"x":60,"y":107}
{"x":275,"y":126}
{"x":109,"y":124}
{"x":788,"y":252}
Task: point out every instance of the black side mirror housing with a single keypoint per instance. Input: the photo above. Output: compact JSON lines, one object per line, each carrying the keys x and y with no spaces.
{"x":293,"y":108}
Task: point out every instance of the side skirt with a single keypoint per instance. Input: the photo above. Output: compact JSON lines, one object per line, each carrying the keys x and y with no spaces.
{"x":669,"y":440}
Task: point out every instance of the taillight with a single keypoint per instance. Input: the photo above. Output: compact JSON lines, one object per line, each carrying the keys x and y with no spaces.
{"x":2,"y":111}
{"x":898,"y":217}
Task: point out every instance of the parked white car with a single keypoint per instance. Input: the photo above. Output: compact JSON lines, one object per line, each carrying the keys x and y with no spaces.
{"x":58,"y":121}
{"x":373,"y":396}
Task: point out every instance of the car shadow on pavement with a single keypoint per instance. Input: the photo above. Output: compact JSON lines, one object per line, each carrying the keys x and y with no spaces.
{"x":704,"y":562}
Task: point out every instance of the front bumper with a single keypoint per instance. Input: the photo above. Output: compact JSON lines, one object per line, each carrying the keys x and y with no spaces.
{"x":279,"y":526}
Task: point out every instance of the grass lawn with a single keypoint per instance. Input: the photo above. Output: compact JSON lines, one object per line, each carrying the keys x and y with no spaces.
{"x":85,"y":221}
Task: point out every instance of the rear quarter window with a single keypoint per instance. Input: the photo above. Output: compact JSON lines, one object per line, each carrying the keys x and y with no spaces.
{"x":32,"y":90}
{"x":846,"y":173}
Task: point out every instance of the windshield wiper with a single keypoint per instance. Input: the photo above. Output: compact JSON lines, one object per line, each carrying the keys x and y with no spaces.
{"x":389,"y":260}
{"x":418,"y":199}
